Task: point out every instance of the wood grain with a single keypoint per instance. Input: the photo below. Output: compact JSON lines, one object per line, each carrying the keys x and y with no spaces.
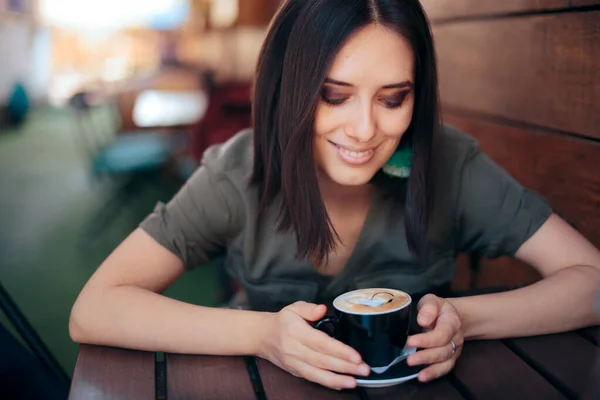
{"x":564,"y":170}
{"x":256,"y":12}
{"x":592,"y":334}
{"x":208,"y":377}
{"x":567,"y":358}
{"x":462,"y":273}
{"x":491,"y":371}
{"x":109,"y":373}
{"x":592,"y":391}
{"x":279,"y":384}
{"x":576,"y":3}
{"x":502,"y":273}
{"x":541,"y":70}
{"x":445,"y":9}
{"x":439,"y":389}
{"x":505,"y":272}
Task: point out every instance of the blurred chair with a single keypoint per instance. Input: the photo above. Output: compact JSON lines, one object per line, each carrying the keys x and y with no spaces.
{"x":128,"y":159}
{"x":168,"y":109}
{"x":33,"y":374}
{"x":229,"y":111}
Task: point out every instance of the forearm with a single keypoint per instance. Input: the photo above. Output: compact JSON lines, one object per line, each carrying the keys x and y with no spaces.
{"x":136,"y":318}
{"x":558,"y":303}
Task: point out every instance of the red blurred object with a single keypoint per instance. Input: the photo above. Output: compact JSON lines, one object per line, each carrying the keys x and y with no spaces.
{"x":229,"y":111}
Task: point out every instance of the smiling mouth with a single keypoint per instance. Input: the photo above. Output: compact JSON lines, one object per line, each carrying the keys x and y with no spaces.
{"x":354,"y":156}
{"x":352,"y":152}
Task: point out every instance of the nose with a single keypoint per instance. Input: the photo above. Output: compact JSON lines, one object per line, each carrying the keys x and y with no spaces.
{"x":362,"y":127}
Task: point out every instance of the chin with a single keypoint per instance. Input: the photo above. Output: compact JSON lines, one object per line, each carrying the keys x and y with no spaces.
{"x":351,"y":178}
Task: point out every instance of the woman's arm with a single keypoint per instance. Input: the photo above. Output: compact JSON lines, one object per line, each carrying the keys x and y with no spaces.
{"x":121,"y":306}
{"x":564,"y":300}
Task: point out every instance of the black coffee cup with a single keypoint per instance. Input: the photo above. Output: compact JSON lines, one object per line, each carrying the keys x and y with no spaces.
{"x":377,"y":333}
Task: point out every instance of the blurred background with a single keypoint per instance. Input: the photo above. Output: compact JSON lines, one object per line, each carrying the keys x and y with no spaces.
{"x":106,"y":108}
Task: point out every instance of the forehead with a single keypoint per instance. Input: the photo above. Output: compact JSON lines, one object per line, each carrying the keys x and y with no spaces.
{"x":374,"y":56}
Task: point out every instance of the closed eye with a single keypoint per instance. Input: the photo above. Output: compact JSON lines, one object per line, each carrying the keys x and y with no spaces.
{"x":332,"y":98}
{"x":395,"y":101}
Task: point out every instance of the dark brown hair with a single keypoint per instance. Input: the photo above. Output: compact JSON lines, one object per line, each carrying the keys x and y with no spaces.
{"x":301,"y":44}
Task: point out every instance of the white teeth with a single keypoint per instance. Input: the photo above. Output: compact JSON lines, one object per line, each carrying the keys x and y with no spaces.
{"x":356,"y":154}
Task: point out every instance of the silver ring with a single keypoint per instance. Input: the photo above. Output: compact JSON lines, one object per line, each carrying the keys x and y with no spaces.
{"x":453,"y":346}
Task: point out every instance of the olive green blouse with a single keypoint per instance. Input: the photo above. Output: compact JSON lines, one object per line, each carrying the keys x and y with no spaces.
{"x":478,"y":208}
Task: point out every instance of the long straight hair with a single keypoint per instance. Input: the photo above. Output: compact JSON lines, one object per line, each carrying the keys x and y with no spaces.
{"x":301,"y":44}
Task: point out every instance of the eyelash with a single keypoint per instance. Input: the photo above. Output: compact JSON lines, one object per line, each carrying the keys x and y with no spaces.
{"x":388,"y":104}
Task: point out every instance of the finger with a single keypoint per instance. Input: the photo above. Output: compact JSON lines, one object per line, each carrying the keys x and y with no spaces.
{"x":324,"y":377}
{"x":438,"y":337}
{"x":323,"y":343}
{"x":429,"y":308}
{"x":436,"y":370}
{"x":431,"y":356}
{"x":334,"y":364}
{"x":309,"y":311}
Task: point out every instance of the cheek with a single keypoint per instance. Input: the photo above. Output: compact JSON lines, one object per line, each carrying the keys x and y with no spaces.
{"x":328,"y":119}
{"x":393,"y":125}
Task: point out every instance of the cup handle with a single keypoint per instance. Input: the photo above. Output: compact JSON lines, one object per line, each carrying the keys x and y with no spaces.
{"x":333,"y":321}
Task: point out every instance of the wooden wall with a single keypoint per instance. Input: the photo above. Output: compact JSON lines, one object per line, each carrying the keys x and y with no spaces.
{"x":523,"y":77}
{"x":256,"y":12}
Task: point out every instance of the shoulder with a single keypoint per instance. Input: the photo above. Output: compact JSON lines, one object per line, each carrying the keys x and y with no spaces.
{"x":232,"y":158}
{"x":452,"y":150}
{"x":454,"y":147}
{"x":221,"y":182}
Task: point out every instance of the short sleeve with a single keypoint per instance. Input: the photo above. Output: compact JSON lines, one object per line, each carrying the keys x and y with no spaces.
{"x":198,"y":222}
{"x":496,"y":214}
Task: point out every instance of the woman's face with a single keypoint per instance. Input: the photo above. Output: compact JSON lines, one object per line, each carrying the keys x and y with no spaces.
{"x":365,"y":107}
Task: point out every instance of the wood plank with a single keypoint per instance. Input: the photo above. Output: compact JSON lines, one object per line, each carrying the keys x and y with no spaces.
{"x":256,"y":12}
{"x":562,"y":169}
{"x":446,"y":9}
{"x":566,"y":358}
{"x":489,"y":370}
{"x":280,"y":384}
{"x":542,"y":70}
{"x":208,"y":377}
{"x":462,"y":273}
{"x":577,"y":3}
{"x":110,"y":373}
{"x":592,"y":334}
{"x":592,"y":392}
{"x":439,"y":389}
{"x":505,"y":271}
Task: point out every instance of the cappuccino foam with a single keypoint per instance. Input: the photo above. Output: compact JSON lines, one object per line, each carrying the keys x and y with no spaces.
{"x":371,"y":301}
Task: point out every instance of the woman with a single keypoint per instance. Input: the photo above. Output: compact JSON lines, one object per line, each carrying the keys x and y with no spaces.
{"x":346,"y":181}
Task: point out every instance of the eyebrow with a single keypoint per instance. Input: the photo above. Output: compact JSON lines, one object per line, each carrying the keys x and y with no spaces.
{"x":399,"y":85}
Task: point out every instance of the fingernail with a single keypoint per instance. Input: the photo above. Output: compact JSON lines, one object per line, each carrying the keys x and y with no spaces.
{"x":364,"y":370}
{"x":350,"y":384}
{"x":414,"y":342}
{"x":424,"y":318}
{"x":356,"y":359}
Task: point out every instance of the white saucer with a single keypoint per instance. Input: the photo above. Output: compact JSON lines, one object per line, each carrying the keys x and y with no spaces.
{"x":384,"y":382}
{"x":396,"y":375}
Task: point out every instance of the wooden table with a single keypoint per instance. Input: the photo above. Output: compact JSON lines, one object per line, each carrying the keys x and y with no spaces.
{"x":563,"y":366}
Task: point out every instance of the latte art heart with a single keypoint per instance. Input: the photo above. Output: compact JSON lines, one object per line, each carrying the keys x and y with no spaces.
{"x":371,"y":301}
{"x":376,"y":302}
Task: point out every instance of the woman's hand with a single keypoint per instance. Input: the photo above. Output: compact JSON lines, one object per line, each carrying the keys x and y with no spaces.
{"x":441,"y":343}
{"x":291,"y":343}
